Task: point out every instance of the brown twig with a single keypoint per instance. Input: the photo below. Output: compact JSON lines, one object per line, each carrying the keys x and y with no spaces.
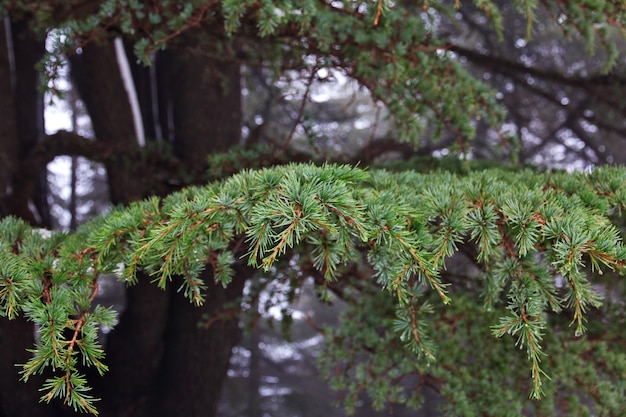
{"x":298,"y":120}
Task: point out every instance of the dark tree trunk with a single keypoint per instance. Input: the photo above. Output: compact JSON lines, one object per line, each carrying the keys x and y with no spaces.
{"x":29,"y":101}
{"x":22,"y":119}
{"x":29,"y":108}
{"x":165,"y":119}
{"x":19,"y":399}
{"x":161,"y":362}
{"x":21,"y":128}
{"x":96,"y":74}
{"x":134,"y":353}
{"x":9,"y":143}
{"x":206,"y":103}
{"x":198,"y":345}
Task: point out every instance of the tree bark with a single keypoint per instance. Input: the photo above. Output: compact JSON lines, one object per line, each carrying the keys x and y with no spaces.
{"x":29,"y":101}
{"x":21,"y":127}
{"x":161,"y":363}
{"x":206,"y":103}
{"x":22,"y":117}
{"x":134,"y":353}
{"x":8,"y":128}
{"x":205,"y":98}
{"x":96,"y":73}
{"x":19,"y":399}
{"x":29,"y":108}
{"x":198,"y":346}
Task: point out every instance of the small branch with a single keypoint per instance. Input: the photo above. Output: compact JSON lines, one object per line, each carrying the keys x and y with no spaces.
{"x":225,"y":314}
{"x":298,"y":120}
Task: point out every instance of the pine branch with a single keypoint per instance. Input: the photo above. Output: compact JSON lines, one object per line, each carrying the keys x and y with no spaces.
{"x":528,"y":226}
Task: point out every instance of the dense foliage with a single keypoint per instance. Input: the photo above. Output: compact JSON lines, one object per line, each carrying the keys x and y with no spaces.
{"x":526,"y":228}
{"x":545,"y":248}
{"x":387,"y":47}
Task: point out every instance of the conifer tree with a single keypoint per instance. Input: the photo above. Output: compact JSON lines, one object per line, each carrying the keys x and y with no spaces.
{"x":538,"y":330}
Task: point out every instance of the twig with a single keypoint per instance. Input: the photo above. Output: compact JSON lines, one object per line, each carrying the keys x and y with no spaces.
{"x":298,"y":121}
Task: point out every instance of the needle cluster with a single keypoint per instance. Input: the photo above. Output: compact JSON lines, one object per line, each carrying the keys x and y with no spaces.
{"x":535,"y":235}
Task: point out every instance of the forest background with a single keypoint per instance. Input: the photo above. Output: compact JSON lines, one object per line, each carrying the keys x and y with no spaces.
{"x":425,"y":86}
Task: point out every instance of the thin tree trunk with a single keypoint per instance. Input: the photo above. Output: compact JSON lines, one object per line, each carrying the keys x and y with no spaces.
{"x":72,"y":206}
{"x":144,"y":79}
{"x":9,"y":158}
{"x":73,"y":197}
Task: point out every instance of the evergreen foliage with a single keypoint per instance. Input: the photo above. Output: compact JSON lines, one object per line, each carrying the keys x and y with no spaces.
{"x":387,"y":47}
{"x":544,"y":241}
{"x":527,"y":228}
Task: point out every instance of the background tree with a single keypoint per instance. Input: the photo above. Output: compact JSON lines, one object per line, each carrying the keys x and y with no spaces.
{"x":190,"y":103}
{"x":563,"y":106}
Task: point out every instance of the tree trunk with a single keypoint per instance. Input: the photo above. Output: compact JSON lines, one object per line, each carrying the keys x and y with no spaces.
{"x":205,"y":98}
{"x":21,"y":128}
{"x":96,"y":74}
{"x":134,"y":353}
{"x":9,"y":144}
{"x":161,"y":363}
{"x":198,"y":346}
{"x":29,"y":108}
{"x":19,"y":399}
{"x":21,"y":108}
{"x":206,"y":103}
